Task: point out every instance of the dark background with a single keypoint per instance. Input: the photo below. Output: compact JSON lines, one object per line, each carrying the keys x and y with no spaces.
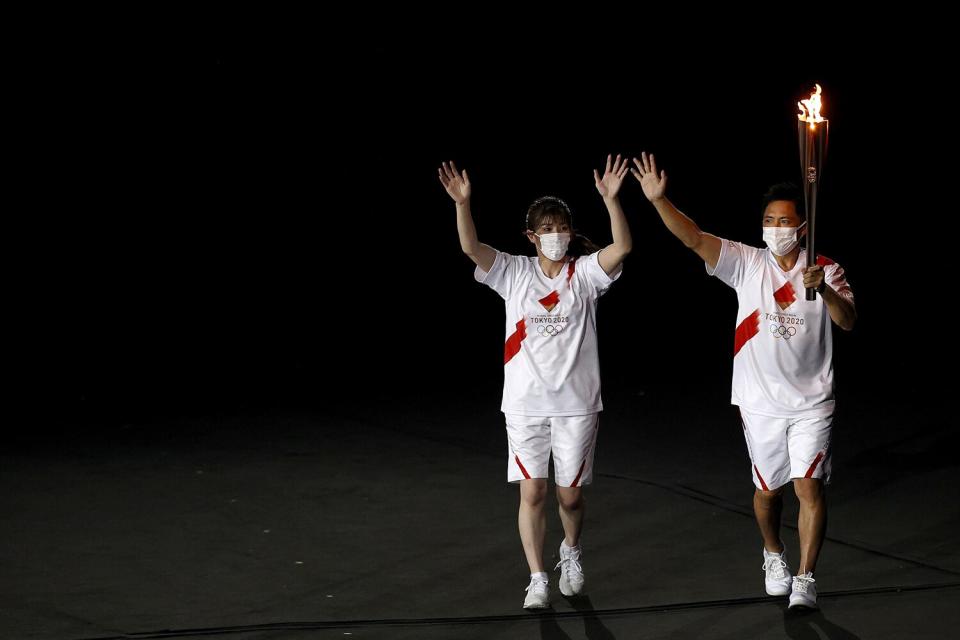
{"x":248,"y":222}
{"x":252,"y":381}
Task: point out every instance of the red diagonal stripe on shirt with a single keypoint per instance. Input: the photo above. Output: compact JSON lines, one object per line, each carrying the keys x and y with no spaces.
{"x":512,"y":346}
{"x":550,"y":301}
{"x":785,"y":296}
{"x":747,"y":329}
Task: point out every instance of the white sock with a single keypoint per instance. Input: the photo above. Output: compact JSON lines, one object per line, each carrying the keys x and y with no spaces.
{"x":541,"y":576}
{"x":565,"y":548}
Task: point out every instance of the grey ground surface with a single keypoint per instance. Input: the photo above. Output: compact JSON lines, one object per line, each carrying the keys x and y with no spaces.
{"x":394,"y":520}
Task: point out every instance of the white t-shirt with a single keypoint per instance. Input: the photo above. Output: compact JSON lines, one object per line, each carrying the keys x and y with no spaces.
{"x":783,"y":347}
{"x":551,"y":367}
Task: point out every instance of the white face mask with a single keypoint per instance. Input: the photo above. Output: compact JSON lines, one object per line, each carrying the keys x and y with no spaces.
{"x":554,"y":245}
{"x":781,"y":240}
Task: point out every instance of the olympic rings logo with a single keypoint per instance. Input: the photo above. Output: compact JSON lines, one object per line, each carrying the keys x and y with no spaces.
{"x":780,"y":331}
{"x":549,"y":330}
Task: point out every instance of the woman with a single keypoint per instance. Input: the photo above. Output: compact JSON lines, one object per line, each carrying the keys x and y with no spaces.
{"x":551,"y":391}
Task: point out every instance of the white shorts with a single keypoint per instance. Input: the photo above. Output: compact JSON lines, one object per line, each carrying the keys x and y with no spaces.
{"x":782,"y":449}
{"x":571,"y":439}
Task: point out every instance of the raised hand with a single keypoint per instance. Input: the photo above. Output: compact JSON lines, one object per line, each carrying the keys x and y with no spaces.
{"x":456,"y":184}
{"x":609,"y":185}
{"x":654,"y":185}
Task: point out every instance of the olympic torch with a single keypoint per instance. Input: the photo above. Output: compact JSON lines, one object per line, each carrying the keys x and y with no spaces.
{"x":812,"y":131}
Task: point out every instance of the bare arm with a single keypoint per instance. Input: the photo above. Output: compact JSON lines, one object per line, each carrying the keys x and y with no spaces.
{"x":611,"y":256}
{"x":654,"y":186}
{"x":459,"y":189}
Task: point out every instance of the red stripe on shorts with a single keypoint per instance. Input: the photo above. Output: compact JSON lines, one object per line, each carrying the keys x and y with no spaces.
{"x":522,"y":468}
{"x":577,"y":479}
{"x":760,"y":478}
{"x":813,"y":467}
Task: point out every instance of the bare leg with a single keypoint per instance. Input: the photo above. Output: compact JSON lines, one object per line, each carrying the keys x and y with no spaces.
{"x":812,"y":521}
{"x":571,"y":513}
{"x":767,"y":507}
{"x":532,"y":520}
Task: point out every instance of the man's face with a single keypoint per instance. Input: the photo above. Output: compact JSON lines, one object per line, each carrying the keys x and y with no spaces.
{"x":781,"y":213}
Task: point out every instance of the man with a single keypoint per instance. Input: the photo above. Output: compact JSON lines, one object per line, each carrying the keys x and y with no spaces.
{"x":782,"y":366}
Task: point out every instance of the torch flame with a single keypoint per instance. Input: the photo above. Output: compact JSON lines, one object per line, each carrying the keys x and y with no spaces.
{"x":810,"y":109}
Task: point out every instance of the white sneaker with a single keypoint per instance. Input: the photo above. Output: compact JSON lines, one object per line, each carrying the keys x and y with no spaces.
{"x":804,"y":592}
{"x":538,"y":595}
{"x":777,"y":572}
{"x":571,"y":573}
